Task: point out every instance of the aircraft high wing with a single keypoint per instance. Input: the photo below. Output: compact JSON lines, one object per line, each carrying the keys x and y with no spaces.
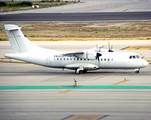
{"x":75,"y":54}
{"x":91,"y":54}
{"x":82,"y":61}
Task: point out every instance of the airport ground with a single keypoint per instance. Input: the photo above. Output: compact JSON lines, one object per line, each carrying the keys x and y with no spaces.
{"x":35,"y":92}
{"x":29,"y":92}
{"x":94,"y":6}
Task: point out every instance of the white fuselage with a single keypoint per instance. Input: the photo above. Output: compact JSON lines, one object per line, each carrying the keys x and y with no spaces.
{"x":90,"y":59}
{"x":108,"y":60}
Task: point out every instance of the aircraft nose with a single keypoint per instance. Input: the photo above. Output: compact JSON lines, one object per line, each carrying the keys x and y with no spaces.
{"x":145,"y":63}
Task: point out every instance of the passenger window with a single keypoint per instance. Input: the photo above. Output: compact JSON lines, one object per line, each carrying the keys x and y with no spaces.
{"x":70,"y":58}
{"x":104,"y":59}
{"x":57,"y":58}
{"x":64,"y":58}
{"x":108,"y":59}
{"x":101,"y":59}
{"x":67,"y":58}
{"x":77,"y":58}
{"x":81,"y":59}
{"x":134,"y":57}
{"x":60,"y":58}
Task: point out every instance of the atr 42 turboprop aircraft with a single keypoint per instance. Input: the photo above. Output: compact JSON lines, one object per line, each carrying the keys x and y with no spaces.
{"x":90,"y":59}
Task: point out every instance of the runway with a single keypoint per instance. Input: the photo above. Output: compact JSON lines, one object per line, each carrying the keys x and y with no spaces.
{"x":31,"y":75}
{"x":87,"y":10}
{"x":49,"y":104}
{"x":98,"y":16}
{"x":30,"y":91}
{"x":70,"y":103}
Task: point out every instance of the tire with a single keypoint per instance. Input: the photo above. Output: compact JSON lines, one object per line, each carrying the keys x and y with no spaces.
{"x":137,"y":72}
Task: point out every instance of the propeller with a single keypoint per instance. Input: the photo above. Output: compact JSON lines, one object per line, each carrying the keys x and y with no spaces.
{"x":110,"y":47}
{"x":98,"y":55}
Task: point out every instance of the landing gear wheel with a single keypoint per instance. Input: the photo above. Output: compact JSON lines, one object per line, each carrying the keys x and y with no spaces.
{"x":81,"y":71}
{"x":78,"y":71}
{"x":136,"y":72}
{"x":84,"y":71}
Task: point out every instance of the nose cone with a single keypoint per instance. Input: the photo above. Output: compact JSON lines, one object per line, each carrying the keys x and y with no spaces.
{"x":145,"y":63}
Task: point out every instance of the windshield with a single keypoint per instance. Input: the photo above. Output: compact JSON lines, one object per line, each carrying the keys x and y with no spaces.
{"x":133,"y":56}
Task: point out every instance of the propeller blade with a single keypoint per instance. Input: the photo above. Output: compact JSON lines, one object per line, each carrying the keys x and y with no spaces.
{"x":98,"y":55}
{"x":110,"y":47}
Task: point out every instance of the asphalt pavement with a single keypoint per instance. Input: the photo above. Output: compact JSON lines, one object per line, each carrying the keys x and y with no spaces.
{"x":99,"y":16}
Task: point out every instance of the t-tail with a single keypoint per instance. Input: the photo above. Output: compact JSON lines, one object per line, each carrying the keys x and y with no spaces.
{"x":24,"y":49}
{"x":19,"y":43}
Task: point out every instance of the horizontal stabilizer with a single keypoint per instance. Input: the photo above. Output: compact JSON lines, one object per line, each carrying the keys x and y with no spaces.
{"x":11,"y":29}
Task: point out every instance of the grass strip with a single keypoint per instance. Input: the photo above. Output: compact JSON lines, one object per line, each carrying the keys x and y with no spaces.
{"x":84,"y":31}
{"x":72,"y":87}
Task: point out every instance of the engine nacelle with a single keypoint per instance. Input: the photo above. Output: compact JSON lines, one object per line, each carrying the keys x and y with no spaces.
{"x":88,"y":55}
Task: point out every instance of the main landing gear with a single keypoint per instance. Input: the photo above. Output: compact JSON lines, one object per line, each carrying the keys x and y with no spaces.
{"x":79,"y":71}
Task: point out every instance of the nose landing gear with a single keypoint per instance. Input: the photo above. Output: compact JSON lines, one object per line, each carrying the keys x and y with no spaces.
{"x":137,"y":71}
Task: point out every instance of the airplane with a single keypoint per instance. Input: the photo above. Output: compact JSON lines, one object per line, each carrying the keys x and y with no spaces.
{"x":81,"y":61}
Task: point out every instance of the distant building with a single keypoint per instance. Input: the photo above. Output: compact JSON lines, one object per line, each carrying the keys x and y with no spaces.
{"x":69,"y":1}
{"x":21,"y":0}
{"x":26,"y":0}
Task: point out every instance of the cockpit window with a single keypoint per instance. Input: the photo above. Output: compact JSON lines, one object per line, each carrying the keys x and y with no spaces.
{"x":137,"y":56}
{"x":134,"y":57}
{"x":130,"y":57}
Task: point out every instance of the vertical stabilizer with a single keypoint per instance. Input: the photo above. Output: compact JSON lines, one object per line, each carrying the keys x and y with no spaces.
{"x":19,"y":43}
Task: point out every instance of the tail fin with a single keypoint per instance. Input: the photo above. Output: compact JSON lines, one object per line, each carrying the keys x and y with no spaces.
{"x":19,"y":43}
